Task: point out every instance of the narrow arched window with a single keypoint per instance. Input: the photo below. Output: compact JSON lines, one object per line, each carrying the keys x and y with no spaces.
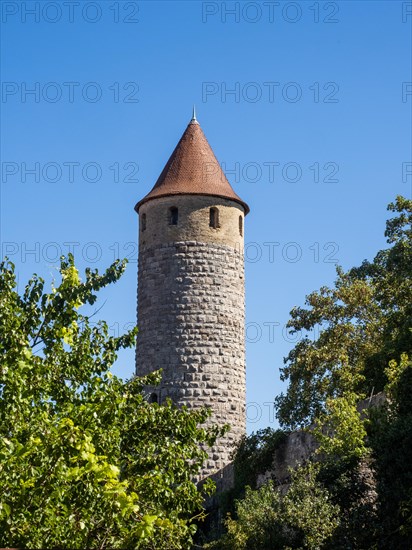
{"x":154,"y":398}
{"x":214,"y":218}
{"x":173,"y":215}
{"x":143,"y":222}
{"x":240,"y":226}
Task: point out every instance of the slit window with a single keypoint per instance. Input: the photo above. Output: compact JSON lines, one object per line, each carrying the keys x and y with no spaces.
{"x":214,"y":218}
{"x":240,"y":226}
{"x":173,"y":216}
{"x":143,"y":222}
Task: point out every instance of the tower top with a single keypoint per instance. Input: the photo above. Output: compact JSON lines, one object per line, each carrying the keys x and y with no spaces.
{"x":192,"y":169}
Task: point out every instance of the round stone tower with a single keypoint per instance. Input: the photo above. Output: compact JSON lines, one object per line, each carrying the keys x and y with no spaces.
{"x":191,"y":296}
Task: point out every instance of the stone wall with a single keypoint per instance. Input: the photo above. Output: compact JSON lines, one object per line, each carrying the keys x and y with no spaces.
{"x":300,"y":446}
{"x":191,"y":311}
{"x":295,"y":450}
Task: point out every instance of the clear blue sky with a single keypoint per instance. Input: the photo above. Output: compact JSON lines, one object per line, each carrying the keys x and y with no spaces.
{"x":302,"y":102}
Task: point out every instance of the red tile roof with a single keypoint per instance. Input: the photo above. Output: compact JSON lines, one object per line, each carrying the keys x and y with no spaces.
{"x":192,"y":169}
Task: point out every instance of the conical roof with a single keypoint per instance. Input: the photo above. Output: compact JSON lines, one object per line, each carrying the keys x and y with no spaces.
{"x":192,"y":169}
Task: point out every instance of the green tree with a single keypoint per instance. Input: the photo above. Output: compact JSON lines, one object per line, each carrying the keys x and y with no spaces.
{"x":364,"y":322}
{"x":341,"y":430}
{"x":364,"y":346}
{"x":303,"y":518}
{"x":85,"y":460}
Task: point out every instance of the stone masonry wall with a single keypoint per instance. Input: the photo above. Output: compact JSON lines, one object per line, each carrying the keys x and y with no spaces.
{"x":300,"y":446}
{"x":191,"y":311}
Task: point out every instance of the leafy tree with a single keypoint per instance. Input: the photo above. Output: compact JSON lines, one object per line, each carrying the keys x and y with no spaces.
{"x":303,"y":518}
{"x":85,"y":460}
{"x":364,"y":321}
{"x":364,"y":347}
{"x":341,"y":430}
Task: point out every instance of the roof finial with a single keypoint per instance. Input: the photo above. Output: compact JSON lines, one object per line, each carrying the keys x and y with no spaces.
{"x":194,"y":119}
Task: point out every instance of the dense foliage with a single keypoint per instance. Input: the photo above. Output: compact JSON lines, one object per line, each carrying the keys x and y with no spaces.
{"x":304,"y":517}
{"x":364,"y":322}
{"x":85,"y":460}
